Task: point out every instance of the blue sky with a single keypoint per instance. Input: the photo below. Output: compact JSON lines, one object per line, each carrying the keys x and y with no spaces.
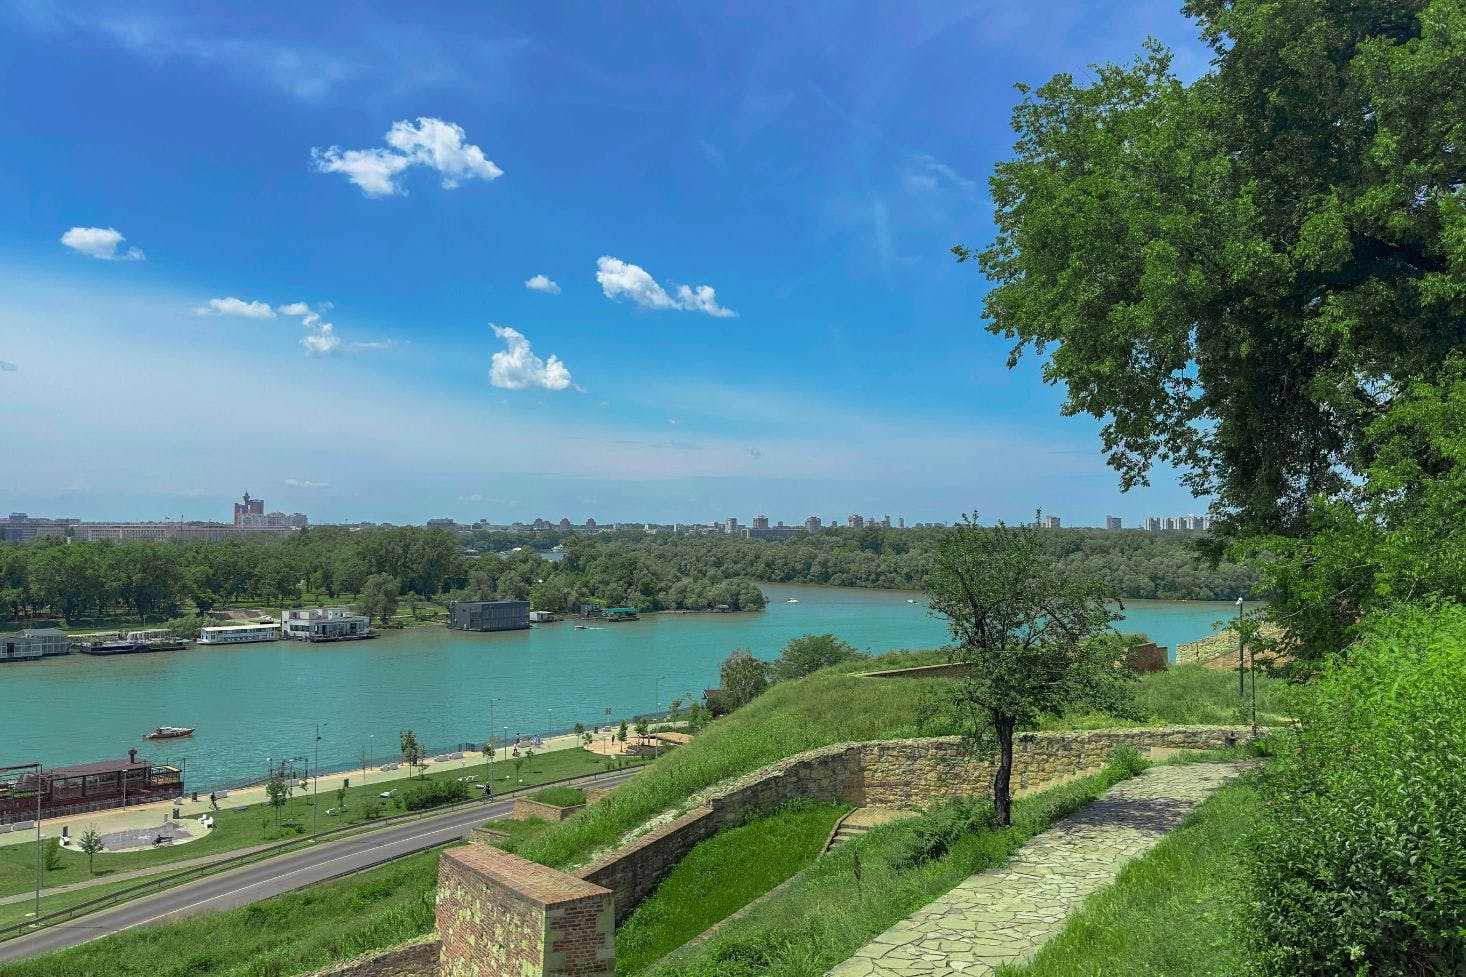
{"x":629,"y":261}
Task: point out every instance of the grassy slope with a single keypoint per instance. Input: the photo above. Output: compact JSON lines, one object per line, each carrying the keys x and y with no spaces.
{"x":826,"y":914}
{"x":719,"y":877}
{"x":255,"y":825}
{"x":828,"y":707}
{"x":1174,"y":913}
{"x":287,"y":934}
{"x":837,"y":705}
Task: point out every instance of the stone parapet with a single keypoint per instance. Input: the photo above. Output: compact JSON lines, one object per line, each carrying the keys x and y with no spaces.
{"x":526,"y":809}
{"x":633,"y":871}
{"x":499,"y":915}
{"x":418,"y":958}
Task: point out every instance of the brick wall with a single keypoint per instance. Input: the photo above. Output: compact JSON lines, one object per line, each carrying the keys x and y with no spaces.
{"x":419,"y":958}
{"x":502,"y":916}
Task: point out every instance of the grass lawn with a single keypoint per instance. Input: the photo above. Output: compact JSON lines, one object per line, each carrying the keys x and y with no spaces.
{"x":1173,"y":913}
{"x":289,"y":934}
{"x":1191,"y":695}
{"x":720,"y":876}
{"x":559,"y":796}
{"x":255,"y":825}
{"x":19,"y":912}
{"x":826,"y":914}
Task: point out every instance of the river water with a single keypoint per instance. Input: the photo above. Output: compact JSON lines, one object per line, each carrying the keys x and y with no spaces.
{"x":253,"y":702}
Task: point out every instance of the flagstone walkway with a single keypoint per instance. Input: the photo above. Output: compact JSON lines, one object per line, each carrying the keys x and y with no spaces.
{"x":1005,"y":914}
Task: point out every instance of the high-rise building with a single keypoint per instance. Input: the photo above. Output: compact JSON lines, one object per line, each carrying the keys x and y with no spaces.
{"x":885,"y":522}
{"x":855,"y":522}
{"x":760,"y":522}
{"x":813,"y":524}
{"x":1051,"y":522}
{"x":249,"y":507}
{"x":901,"y":522}
{"x":730,"y":525}
{"x":564,"y":524}
{"x":1153,"y":524}
{"x":590,"y":525}
{"x":1112,"y":522}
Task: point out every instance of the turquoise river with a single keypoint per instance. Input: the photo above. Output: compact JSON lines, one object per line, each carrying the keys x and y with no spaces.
{"x":259,"y":701}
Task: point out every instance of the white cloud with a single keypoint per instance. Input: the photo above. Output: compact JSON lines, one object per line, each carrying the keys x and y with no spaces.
{"x":8,"y":367}
{"x":542,"y":283}
{"x":433,"y":143}
{"x":295,"y":308}
{"x":303,"y":483}
{"x":517,"y":368}
{"x":621,"y":279}
{"x":239,"y":307}
{"x":99,"y":242}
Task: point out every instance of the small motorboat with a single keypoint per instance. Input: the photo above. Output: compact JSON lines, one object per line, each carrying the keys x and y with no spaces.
{"x":581,"y":627}
{"x":792,"y":600}
{"x":170,"y":732}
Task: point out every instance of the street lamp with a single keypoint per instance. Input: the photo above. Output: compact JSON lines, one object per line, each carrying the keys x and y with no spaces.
{"x":490,"y":789}
{"x":371,"y":756}
{"x":38,"y":782}
{"x":552,"y":722}
{"x":1241,"y":641}
{"x":316,"y":781}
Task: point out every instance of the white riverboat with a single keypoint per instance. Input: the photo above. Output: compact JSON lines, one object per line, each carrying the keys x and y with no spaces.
{"x":238,"y":634}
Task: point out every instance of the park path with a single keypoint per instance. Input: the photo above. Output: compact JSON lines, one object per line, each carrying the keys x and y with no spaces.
{"x":1005,"y":914}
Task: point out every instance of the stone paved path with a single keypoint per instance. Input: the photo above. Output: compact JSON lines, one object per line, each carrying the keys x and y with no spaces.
{"x":1005,"y":914}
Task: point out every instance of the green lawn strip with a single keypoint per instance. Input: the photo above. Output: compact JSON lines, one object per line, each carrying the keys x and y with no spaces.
{"x":19,"y":912}
{"x":287,"y":934}
{"x":720,"y":876}
{"x":255,"y":825}
{"x":1190,"y":695}
{"x":1173,"y":913}
{"x":826,"y":914}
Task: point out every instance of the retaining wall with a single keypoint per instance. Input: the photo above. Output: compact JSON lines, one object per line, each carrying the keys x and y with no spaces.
{"x":525,"y":808}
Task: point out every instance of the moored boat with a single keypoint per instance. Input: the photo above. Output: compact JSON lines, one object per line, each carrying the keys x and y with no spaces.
{"x":169,"y":732}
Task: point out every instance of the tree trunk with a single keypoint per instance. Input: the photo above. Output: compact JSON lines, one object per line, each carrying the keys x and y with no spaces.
{"x":1002,"y":780}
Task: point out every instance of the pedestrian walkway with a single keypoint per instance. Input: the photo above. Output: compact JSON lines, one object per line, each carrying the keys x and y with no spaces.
{"x":1005,"y":914}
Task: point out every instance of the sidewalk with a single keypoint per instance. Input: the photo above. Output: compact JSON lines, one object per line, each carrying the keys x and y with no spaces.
{"x":1003,"y":915}
{"x":152,"y":815}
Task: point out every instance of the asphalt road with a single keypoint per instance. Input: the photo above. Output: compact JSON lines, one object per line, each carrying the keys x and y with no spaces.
{"x":261,"y":880}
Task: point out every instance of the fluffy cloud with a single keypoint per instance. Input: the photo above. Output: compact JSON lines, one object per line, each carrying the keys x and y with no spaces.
{"x":517,"y":368}
{"x":621,"y":279}
{"x":303,"y":483}
{"x":322,"y":339}
{"x":239,"y":307}
{"x":433,"y":143}
{"x":542,"y":283}
{"x":99,"y":242}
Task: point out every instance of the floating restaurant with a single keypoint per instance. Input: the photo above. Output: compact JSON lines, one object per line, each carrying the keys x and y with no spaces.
{"x":64,"y":791}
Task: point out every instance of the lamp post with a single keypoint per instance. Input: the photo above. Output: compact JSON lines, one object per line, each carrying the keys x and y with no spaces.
{"x":316,"y":781}
{"x":371,"y":756}
{"x":1241,"y":641}
{"x":38,"y":782}
{"x":489,"y":795}
{"x":552,"y":722}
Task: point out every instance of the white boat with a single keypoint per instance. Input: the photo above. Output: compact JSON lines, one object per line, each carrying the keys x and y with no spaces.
{"x":238,"y":634}
{"x":792,"y":600}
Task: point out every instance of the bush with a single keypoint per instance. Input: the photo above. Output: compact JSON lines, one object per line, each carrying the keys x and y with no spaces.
{"x":560,"y":796}
{"x":1127,"y":761}
{"x":1358,"y":857}
{"x":933,"y":836}
{"x":435,"y":793}
{"x":51,"y":854}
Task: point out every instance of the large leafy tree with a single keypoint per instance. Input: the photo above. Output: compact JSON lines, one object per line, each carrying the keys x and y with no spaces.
{"x":1237,"y":273}
{"x":1029,"y":633}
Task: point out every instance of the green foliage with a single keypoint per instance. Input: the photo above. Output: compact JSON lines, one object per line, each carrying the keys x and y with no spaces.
{"x":933,"y":836}
{"x":413,"y":752}
{"x":1394,"y":536}
{"x":720,"y":876}
{"x":560,"y":796}
{"x":743,"y":678}
{"x":51,"y":854}
{"x":1356,"y":867}
{"x":1031,"y":634}
{"x":1230,"y":273}
{"x":434,"y":793}
{"x":91,"y":846}
{"x":378,"y":597}
{"x":1127,"y":761}
{"x":810,"y":653}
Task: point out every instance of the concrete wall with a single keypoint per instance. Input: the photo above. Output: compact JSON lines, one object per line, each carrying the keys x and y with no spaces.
{"x":501,"y":916}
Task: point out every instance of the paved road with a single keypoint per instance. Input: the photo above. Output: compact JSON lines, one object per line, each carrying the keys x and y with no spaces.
{"x":271,"y":877}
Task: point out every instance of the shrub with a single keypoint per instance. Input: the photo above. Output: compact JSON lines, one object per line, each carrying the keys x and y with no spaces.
{"x":933,"y":836}
{"x":560,"y":796}
{"x":1126,"y":760}
{"x":1357,"y":860}
{"x":434,"y":793}
{"x":51,"y":853}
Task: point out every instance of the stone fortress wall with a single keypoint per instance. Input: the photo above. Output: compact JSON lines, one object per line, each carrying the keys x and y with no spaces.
{"x":485,"y":894}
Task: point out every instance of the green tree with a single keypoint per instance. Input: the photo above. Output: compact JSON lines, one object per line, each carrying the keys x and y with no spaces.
{"x":1027,"y":633}
{"x":412,"y":751}
{"x":341,"y":799}
{"x":378,"y":597}
{"x":621,"y":733}
{"x":743,"y":677}
{"x":1231,"y":273}
{"x":810,"y":653}
{"x":91,"y":846}
{"x":277,"y":794}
